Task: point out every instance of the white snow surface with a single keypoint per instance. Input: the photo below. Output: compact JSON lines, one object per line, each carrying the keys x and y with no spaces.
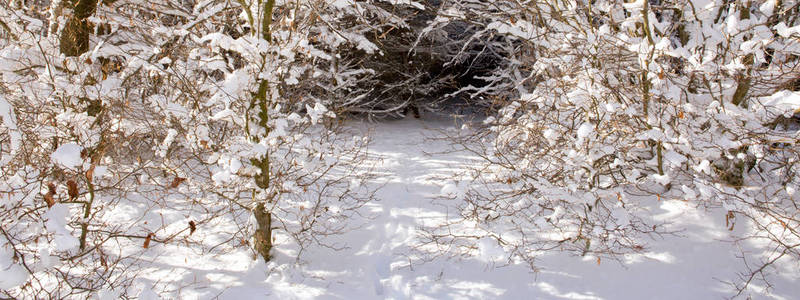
{"x":9,"y":120}
{"x":68,"y":155}
{"x":375,"y":262}
{"x":11,"y":273}
{"x":56,"y":223}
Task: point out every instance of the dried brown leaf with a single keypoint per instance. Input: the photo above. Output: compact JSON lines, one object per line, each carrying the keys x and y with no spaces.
{"x":147,"y":240}
{"x":72,"y":189}
{"x":49,"y":199}
{"x":51,"y":190}
{"x":176,"y":182}
{"x":192,"y":227}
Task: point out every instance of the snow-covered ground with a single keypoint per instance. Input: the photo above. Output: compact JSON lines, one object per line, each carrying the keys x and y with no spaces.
{"x":413,"y":169}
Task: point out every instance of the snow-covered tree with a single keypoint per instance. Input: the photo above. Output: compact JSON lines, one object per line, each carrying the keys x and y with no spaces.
{"x":117,"y":112}
{"x":692,"y":100}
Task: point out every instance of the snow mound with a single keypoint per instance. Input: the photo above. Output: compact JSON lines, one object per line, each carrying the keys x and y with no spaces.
{"x":68,"y":155}
{"x":490,"y":251}
{"x":11,"y":274}
{"x":57,"y":218}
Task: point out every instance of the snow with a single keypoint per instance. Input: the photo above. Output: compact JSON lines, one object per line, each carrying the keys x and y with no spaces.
{"x":783,"y":103}
{"x":56,"y":223}
{"x":785,"y":31}
{"x":341,"y":3}
{"x":635,"y":5}
{"x":68,"y":155}
{"x":9,"y":120}
{"x":171,"y":203}
{"x":415,"y":4}
{"x":704,"y":167}
{"x":11,"y":274}
{"x":768,"y":7}
{"x":449,"y":189}
{"x":452,"y":189}
{"x":584,"y":131}
{"x":317,"y":112}
{"x":379,"y":258}
{"x":489,"y":251}
{"x":168,"y":140}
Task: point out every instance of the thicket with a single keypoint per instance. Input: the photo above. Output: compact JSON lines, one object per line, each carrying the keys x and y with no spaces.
{"x":227,"y":110}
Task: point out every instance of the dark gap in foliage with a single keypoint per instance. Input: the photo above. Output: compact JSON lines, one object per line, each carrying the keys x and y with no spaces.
{"x":439,"y":70}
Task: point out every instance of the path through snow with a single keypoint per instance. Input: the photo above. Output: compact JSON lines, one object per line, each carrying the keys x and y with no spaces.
{"x":375,"y":264}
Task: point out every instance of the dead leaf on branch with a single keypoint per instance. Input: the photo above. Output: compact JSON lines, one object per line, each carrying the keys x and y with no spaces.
{"x":51,"y":190}
{"x":730,"y":220}
{"x":783,"y":224}
{"x":147,"y":240}
{"x":176,"y":182}
{"x":192,"y":227}
{"x":72,"y":189}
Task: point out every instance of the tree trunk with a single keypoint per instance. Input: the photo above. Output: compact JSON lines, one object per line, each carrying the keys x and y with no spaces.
{"x":263,"y":233}
{"x":744,"y":83}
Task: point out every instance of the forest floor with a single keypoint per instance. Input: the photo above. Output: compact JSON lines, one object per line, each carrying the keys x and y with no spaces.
{"x":414,"y":167}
